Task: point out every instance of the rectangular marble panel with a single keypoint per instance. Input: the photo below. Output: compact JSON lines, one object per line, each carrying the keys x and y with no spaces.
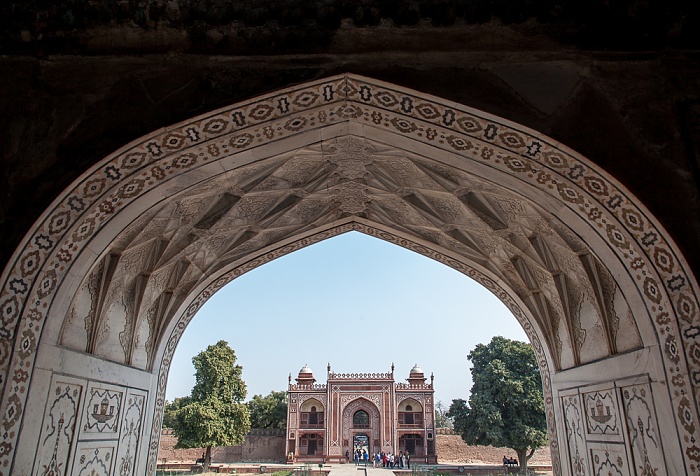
{"x":609,"y":460}
{"x":602,"y":414}
{"x":642,"y":429}
{"x":61,"y":417}
{"x":130,"y":431}
{"x":94,"y":458}
{"x":575,"y":434}
{"x":101,"y":414}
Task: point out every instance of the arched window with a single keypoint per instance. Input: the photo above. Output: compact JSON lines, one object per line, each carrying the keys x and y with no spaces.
{"x":311,"y":419}
{"x":360,"y":419}
{"x":410,"y":418}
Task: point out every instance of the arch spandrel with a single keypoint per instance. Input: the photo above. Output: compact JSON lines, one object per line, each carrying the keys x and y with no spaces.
{"x":428,"y":204}
{"x":415,"y":405}
{"x":306,"y":405}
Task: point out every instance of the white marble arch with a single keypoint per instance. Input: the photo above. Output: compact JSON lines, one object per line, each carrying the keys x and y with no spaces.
{"x":96,"y":298}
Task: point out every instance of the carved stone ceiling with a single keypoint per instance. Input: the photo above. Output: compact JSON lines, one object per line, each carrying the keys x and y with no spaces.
{"x":135,"y":290}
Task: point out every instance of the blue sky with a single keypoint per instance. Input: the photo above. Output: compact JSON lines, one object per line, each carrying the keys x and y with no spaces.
{"x":353,"y":301}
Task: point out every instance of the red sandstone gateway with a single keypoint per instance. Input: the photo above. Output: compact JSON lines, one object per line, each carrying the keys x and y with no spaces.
{"x":365,"y":412}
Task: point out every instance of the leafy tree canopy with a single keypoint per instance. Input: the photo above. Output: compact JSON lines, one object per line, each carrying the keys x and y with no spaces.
{"x":506,"y":406}
{"x":172,"y":407}
{"x":215,"y":414}
{"x":269,"y":411}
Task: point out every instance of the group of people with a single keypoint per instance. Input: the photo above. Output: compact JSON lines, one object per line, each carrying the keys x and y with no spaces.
{"x":509,"y":461}
{"x":390,"y":460}
{"x":381,"y":460}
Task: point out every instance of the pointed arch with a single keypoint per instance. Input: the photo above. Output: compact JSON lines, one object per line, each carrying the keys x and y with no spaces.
{"x":349,"y":411}
{"x":113,"y":271}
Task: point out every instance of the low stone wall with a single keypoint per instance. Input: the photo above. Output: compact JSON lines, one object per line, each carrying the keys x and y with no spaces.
{"x":260,"y":446}
{"x":445,"y":431}
{"x":267,"y":446}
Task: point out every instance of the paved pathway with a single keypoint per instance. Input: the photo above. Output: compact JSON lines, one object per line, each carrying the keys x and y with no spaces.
{"x":352,"y":470}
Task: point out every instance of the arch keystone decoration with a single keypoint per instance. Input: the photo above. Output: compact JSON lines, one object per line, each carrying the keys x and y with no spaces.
{"x":97,"y":296}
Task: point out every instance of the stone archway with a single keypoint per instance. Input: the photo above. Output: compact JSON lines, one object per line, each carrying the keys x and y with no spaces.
{"x":97,"y":297}
{"x":373,"y":431}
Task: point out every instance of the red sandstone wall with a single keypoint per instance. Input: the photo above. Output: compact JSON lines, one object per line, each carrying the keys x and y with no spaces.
{"x":266,"y":448}
{"x":259,"y":446}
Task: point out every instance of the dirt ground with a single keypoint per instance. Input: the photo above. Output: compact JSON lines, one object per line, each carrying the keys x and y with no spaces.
{"x":451,"y":449}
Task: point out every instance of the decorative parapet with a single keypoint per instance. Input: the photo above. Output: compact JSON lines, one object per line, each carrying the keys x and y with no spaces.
{"x":406,"y":386}
{"x":445,"y":431}
{"x":317,"y":386}
{"x":253,"y":431}
{"x":267,"y":432}
{"x":361,"y":376}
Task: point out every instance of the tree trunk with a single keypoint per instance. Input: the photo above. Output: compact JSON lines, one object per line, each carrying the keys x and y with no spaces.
{"x":523,"y":458}
{"x":207,"y":460}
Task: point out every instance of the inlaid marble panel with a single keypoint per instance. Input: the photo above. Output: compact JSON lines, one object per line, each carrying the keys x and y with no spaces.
{"x":575,"y":434}
{"x":601,"y":413}
{"x":609,"y":460}
{"x":101,"y":414}
{"x":58,"y":430}
{"x":94,"y":459}
{"x":130,"y":433}
{"x":642,"y":430}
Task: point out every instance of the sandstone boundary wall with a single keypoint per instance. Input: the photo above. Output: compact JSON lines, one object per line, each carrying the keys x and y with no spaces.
{"x":267,"y":446}
{"x":260,"y":446}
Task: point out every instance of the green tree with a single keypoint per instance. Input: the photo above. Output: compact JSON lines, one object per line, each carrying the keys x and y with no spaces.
{"x":215,"y":415}
{"x":506,"y":406}
{"x":171,"y":408}
{"x":269,"y":411}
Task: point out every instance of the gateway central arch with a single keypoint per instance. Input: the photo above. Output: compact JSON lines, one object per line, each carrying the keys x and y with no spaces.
{"x":96,"y":298}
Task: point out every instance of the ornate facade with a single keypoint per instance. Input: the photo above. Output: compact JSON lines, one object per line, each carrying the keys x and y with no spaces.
{"x":366,"y":411}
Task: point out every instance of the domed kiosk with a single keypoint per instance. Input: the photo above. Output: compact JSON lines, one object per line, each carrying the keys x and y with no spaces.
{"x":306,"y":376}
